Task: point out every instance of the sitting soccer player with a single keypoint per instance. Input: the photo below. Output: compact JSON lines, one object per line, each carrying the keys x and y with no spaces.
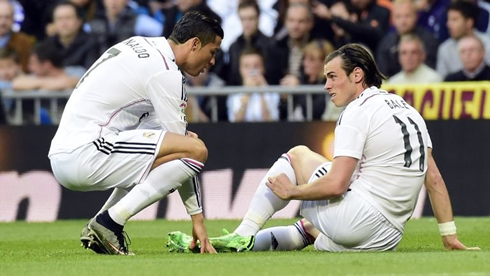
{"x":361,"y":200}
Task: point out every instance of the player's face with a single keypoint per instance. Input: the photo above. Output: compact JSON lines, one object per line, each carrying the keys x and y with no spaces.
{"x":340,"y":86}
{"x":202,"y":57}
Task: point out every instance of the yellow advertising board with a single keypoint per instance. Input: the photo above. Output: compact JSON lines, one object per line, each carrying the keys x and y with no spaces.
{"x":446,"y":101}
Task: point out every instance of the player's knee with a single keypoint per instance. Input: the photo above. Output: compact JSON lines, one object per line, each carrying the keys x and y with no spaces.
{"x":199,"y":151}
{"x":298,"y":151}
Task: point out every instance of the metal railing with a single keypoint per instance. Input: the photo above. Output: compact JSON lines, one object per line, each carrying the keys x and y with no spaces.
{"x":53,"y":96}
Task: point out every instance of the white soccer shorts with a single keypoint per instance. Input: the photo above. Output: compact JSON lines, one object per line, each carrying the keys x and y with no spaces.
{"x":349,"y":223}
{"x":116,"y":160}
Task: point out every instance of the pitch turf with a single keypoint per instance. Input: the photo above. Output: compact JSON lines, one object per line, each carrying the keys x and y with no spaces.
{"x":53,"y":249}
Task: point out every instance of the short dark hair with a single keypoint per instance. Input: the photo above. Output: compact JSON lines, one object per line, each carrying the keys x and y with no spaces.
{"x":47,"y":51}
{"x":78,"y":11}
{"x":250,"y":50}
{"x":468,"y":9}
{"x":249,"y":4}
{"x":355,"y":55}
{"x":195,"y":24}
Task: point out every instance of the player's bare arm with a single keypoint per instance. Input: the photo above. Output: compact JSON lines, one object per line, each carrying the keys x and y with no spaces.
{"x":441,"y":205}
{"x":199,"y":234}
{"x":333,"y":184}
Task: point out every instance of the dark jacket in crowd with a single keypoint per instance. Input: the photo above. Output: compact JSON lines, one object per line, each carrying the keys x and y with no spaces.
{"x":105,"y":37}
{"x":81,"y":52}
{"x":259,"y":41}
{"x":484,"y":75}
{"x":370,"y":27}
{"x":387,"y":52}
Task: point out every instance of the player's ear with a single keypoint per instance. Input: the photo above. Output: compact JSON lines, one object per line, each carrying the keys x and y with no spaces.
{"x":358,"y":75}
{"x":196,"y":44}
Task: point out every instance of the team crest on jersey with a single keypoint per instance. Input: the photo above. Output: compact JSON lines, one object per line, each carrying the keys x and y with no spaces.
{"x":149,"y":135}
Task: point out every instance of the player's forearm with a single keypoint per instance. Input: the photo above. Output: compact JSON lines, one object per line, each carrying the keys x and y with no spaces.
{"x":323,"y":188}
{"x":438,"y":194}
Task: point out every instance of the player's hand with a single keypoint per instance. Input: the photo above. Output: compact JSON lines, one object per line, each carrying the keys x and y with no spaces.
{"x":281,"y":186}
{"x":199,"y":234}
{"x":192,"y":134}
{"x":451,"y":242}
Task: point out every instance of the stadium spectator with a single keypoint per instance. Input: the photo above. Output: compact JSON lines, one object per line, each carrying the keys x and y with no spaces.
{"x":312,"y":73}
{"x":126,"y":117}
{"x":411,"y":54}
{"x":86,"y":8}
{"x":367,"y":27}
{"x":287,"y":52}
{"x":253,"y":107}
{"x":205,"y":104}
{"x":173,"y":14}
{"x":75,"y":45}
{"x":461,"y":19}
{"x":48,"y":72}
{"x":433,"y":17}
{"x":231,"y":23}
{"x":21,"y":42}
{"x":119,"y":22}
{"x":35,"y":19}
{"x":362,"y":199}
{"x":321,"y":27}
{"x":472,"y":54}
{"x":10,"y":68}
{"x":404,"y":15}
{"x":249,"y":13}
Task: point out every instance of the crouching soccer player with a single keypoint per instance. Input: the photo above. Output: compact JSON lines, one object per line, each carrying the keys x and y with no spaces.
{"x":124,"y":128}
{"x":361,"y":200}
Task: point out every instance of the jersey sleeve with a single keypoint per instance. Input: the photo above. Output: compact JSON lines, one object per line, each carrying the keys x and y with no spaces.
{"x":429,"y":141}
{"x":167,"y":95}
{"x":351,"y":134}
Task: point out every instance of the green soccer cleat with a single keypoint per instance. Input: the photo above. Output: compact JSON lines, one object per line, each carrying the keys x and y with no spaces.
{"x":232,"y":242}
{"x":179,"y":242}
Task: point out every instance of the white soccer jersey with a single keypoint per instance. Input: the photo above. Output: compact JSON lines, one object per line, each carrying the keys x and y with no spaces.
{"x":390,"y":139}
{"x":135,"y":84}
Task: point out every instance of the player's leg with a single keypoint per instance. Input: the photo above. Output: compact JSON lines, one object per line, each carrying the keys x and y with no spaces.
{"x":349,"y":223}
{"x":298,"y":164}
{"x":187,"y":157}
{"x":285,"y":238}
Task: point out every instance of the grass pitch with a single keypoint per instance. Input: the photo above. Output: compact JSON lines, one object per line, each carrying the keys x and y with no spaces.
{"x":53,"y":249}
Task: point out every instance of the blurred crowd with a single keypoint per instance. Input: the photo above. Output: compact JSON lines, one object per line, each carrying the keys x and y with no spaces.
{"x":49,"y":45}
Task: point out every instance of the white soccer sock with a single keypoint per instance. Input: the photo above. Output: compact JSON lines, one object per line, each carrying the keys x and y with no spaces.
{"x":265,"y":203}
{"x":116,"y":195}
{"x":281,"y":238}
{"x":161,"y":181}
